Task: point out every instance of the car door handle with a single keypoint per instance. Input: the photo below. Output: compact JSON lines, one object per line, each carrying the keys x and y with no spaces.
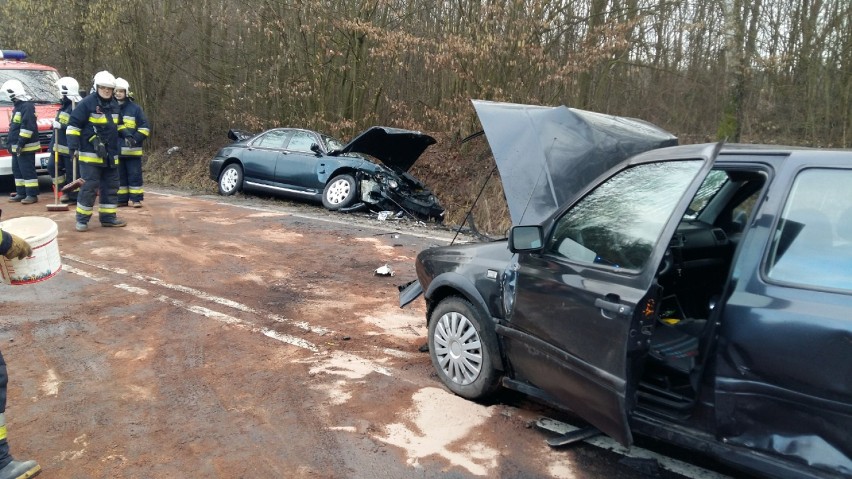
{"x":608,"y":306}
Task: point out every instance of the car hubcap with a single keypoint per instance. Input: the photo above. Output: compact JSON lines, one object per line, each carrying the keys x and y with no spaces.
{"x":229,"y":180}
{"x":458,"y":348}
{"x":338,"y":191}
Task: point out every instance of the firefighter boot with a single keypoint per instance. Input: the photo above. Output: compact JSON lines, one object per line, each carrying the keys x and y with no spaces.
{"x":20,"y":470}
{"x":13,"y":469}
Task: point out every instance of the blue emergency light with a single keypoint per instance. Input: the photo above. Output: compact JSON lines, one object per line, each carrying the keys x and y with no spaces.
{"x":12,"y":55}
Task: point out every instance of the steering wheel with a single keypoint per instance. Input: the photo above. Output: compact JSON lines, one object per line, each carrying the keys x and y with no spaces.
{"x":667,"y":263}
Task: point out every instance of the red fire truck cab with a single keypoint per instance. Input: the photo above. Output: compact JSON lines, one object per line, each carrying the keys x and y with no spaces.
{"x":40,"y":84}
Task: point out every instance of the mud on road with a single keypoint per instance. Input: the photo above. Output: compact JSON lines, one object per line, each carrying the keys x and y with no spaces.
{"x":231,"y":338}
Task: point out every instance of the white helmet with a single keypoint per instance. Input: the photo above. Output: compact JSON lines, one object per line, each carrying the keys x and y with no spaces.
{"x":104,"y":79}
{"x":15,"y":90}
{"x":121,"y":84}
{"x":69,"y":87}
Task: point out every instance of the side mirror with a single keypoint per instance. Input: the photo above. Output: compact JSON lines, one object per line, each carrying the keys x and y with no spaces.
{"x":525,"y":239}
{"x":316,"y":149}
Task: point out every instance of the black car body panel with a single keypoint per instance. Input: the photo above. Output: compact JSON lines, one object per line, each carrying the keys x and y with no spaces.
{"x":545,"y":155}
{"x":396,"y":148}
{"x":697,"y":294}
{"x":300,"y":163}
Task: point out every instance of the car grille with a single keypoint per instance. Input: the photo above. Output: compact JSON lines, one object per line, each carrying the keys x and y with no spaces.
{"x":44,"y":138}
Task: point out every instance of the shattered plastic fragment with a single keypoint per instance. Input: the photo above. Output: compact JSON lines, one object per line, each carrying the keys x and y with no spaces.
{"x":383,"y":215}
{"x":384,"y":271}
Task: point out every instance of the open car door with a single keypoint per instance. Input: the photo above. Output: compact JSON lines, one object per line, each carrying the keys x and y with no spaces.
{"x":582,"y":303}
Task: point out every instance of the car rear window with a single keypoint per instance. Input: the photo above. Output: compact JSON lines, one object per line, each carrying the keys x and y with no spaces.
{"x":812,"y":245}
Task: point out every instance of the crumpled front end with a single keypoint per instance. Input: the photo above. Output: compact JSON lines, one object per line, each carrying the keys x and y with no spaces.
{"x":404,"y":195}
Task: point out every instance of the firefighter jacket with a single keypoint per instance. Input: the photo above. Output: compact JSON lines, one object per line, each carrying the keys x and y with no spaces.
{"x":59,"y":141}
{"x":94,"y":122}
{"x":23,"y":129}
{"x":133,"y":125}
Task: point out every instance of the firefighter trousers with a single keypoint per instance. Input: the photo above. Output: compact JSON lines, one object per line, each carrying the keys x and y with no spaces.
{"x":100,"y":181}
{"x":24,"y":171}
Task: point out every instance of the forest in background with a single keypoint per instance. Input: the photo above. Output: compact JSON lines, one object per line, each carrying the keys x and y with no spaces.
{"x":757,"y":71}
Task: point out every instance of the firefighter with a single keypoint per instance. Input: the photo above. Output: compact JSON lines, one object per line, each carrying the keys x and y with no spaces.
{"x":11,"y":246}
{"x":92,"y":133}
{"x":69,"y":90}
{"x":133,"y":129}
{"x":23,"y":143}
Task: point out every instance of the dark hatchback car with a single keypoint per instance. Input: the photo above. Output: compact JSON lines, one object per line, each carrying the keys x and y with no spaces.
{"x":700,"y":295}
{"x":309,"y":165}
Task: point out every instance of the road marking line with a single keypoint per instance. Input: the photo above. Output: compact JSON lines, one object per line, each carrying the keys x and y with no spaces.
{"x":80,"y":272}
{"x":234,"y":321}
{"x":203,"y":295}
{"x":317,"y":218}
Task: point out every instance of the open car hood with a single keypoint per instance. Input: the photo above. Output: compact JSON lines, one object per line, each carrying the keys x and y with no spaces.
{"x":397,"y":149}
{"x":547,"y":155}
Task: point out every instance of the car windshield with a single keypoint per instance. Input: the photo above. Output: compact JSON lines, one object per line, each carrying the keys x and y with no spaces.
{"x":712,"y":184}
{"x":39,"y":84}
{"x":332,"y":144}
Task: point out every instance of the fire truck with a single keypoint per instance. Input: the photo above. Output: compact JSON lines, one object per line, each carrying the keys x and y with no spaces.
{"x":40,"y":84}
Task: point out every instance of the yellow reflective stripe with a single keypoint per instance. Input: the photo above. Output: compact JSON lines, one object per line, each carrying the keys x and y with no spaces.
{"x":72,"y":130}
{"x":14,"y":148}
{"x":61,"y":148}
{"x":31,"y":183}
{"x":26,"y":133}
{"x":104,"y":209}
{"x":64,"y":117}
{"x":17,"y":117}
{"x":30,"y":148}
{"x":122,"y":190}
{"x":3,"y":431}
{"x":59,"y":180}
{"x":130,"y":123}
{"x":137,"y":191}
{"x":97,"y":119}
{"x":87,"y":157}
{"x":19,"y":182}
{"x":145,"y":131}
{"x":135,"y":151}
{"x":84,"y":210}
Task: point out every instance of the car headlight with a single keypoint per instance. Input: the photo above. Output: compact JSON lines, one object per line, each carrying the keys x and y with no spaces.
{"x":392,"y":184}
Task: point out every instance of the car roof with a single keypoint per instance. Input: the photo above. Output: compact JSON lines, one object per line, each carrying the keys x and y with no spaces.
{"x":737,"y":152}
{"x":19,"y":65}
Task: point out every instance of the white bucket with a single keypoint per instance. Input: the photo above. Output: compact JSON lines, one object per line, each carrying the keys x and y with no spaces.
{"x":44,"y":263}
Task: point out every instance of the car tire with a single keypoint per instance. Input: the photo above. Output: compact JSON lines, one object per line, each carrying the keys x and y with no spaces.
{"x":231,"y":180}
{"x":462,"y":350}
{"x":339,"y":192}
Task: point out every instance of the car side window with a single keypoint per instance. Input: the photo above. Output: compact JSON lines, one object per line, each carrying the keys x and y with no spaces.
{"x":620,"y":221}
{"x":301,"y":141}
{"x":275,"y":139}
{"x":812,"y":244}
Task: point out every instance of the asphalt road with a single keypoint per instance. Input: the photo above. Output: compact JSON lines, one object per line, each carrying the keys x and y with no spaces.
{"x":243,"y":337}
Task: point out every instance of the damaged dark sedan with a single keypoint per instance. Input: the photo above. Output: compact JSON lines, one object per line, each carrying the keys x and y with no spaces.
{"x":699,"y":294}
{"x":305,"y":164}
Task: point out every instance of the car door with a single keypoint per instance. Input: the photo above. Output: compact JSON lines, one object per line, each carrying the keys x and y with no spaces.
{"x":297,"y":167}
{"x":261,"y":156}
{"x":581,"y":302}
{"x":784,"y":355}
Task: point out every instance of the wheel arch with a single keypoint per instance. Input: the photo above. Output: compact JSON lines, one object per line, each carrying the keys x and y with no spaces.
{"x":225,"y":164}
{"x":453,"y":284}
{"x":343,"y":170}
